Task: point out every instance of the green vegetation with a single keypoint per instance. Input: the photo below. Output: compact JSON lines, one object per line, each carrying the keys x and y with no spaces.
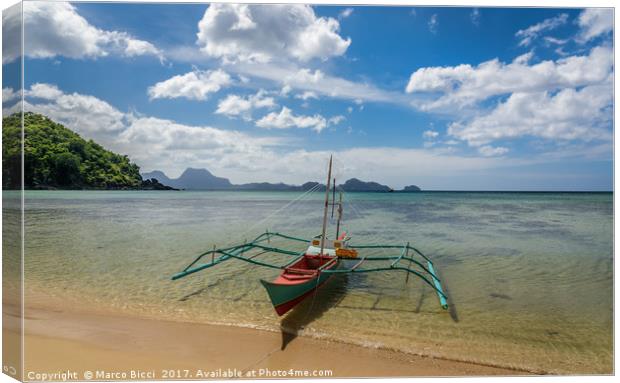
{"x":56,"y":157}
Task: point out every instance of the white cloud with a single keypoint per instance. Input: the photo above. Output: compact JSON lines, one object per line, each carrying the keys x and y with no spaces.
{"x":139,"y":48}
{"x":490,"y":151}
{"x":567,"y":100}
{"x":155,"y":143}
{"x":84,"y":114}
{"x":292,"y":77}
{"x":9,"y":94}
{"x":241,"y":32}
{"x":195,"y":85}
{"x":307,"y":95}
{"x":286,"y":119}
{"x":531,"y":33}
{"x":11,"y":101}
{"x":475,"y":16}
{"x":56,"y":29}
{"x":162,"y":144}
{"x":306,"y":76}
{"x":44,"y":91}
{"x":524,"y":58}
{"x":430,"y":134}
{"x":350,"y":109}
{"x":160,"y":134}
{"x":556,"y":41}
{"x":345,"y":13}
{"x":9,"y":110}
{"x":595,"y":22}
{"x":286,"y":89}
{"x":569,"y":114}
{"x":465,"y":85}
{"x":336,"y":120}
{"x":234,"y":105}
{"x":433,"y":23}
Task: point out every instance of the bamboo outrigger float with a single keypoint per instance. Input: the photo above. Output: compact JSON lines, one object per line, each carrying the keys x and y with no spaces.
{"x":304,"y":271}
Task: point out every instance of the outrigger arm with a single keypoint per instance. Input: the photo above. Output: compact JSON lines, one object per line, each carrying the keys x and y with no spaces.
{"x":426,"y":270}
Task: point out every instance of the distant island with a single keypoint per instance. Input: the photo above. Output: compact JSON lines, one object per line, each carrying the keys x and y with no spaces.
{"x":55,"y":157}
{"x":202,"y":179}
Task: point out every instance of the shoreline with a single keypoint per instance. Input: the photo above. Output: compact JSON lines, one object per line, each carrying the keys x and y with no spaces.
{"x":97,"y":340}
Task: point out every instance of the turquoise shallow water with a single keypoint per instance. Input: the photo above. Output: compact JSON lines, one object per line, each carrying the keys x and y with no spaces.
{"x":530,"y":274}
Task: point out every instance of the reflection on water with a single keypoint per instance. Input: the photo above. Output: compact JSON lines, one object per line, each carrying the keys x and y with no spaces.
{"x":529,"y":275}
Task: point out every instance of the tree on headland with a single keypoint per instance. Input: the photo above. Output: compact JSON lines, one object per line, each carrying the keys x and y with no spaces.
{"x":56,"y":157}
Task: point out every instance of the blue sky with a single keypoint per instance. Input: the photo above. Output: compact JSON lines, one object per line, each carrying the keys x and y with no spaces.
{"x":445,"y":98}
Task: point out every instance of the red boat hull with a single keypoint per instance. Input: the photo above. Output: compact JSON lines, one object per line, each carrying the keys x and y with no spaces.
{"x":298,"y":281}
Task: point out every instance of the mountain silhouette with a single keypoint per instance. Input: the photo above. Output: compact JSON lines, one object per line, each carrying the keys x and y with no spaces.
{"x":202,"y":179}
{"x":192,"y":179}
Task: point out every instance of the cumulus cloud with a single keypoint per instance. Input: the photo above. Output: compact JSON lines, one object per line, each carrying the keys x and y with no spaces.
{"x":9,"y":94}
{"x":524,"y":58}
{"x":286,"y":119}
{"x":11,"y":101}
{"x":465,"y":85}
{"x":235,"y":106}
{"x":84,"y":114}
{"x":307,"y":95}
{"x":195,"y":85}
{"x":57,"y":29}
{"x":569,"y":114}
{"x":44,"y":91}
{"x":162,"y":144}
{"x":528,"y":35}
{"x":562,"y":101}
{"x":242,"y":32}
{"x":153,"y":143}
{"x":156,"y":143}
{"x":594,"y":22}
{"x":161,"y":134}
{"x":140,"y":47}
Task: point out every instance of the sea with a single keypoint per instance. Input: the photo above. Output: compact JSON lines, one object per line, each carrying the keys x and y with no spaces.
{"x":529,"y":275}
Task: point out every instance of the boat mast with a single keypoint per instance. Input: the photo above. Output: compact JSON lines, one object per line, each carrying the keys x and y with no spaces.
{"x":339,"y":217}
{"x":333,"y":196}
{"x":329,"y":178}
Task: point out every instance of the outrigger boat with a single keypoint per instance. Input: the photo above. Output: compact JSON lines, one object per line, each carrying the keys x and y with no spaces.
{"x":323,"y":258}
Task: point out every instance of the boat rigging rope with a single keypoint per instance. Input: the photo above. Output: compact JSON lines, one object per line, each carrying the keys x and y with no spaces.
{"x":359,"y":212}
{"x":265,"y":220}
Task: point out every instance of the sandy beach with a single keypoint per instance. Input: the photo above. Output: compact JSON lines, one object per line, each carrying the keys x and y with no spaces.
{"x":61,"y":339}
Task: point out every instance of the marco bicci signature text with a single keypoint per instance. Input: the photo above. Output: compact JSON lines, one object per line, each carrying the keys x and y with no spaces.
{"x":219,"y":373}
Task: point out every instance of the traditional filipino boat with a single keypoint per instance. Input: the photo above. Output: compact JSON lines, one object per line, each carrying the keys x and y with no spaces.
{"x":307,"y":270}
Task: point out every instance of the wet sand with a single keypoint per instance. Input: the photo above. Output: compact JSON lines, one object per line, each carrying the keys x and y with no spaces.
{"x":64,"y":338}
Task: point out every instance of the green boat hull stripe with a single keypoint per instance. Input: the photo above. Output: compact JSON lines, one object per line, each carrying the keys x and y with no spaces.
{"x":280,"y":294}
